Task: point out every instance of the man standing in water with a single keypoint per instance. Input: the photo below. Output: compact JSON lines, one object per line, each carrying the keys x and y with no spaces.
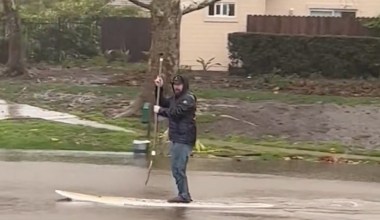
{"x":180,"y":110}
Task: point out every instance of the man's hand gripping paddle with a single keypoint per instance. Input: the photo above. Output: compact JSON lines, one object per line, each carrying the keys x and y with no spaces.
{"x":153,"y":153}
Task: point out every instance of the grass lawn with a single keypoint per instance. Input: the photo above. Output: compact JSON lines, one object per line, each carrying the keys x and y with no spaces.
{"x":45,"y":135}
{"x":57,"y":95}
{"x":258,"y":96}
{"x":90,"y":101}
{"x":268,"y":148}
{"x":262,"y":151}
{"x":40,"y":134}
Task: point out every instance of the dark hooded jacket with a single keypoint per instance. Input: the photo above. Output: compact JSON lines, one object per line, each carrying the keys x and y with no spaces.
{"x":180,"y":110}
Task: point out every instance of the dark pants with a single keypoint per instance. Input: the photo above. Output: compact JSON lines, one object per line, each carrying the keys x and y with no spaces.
{"x":179,"y":157}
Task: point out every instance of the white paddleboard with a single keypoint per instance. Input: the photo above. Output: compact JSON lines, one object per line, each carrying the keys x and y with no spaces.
{"x":124,"y":201}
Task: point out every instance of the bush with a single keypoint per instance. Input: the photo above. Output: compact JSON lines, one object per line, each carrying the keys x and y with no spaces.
{"x":66,"y":29}
{"x":58,"y":41}
{"x":329,"y":56}
{"x":372,"y":25}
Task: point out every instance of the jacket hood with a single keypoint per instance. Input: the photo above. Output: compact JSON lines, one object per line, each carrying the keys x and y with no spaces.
{"x":181,"y":80}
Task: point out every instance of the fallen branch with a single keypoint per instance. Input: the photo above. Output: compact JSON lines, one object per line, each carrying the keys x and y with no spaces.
{"x":128,"y":112}
{"x":236,"y":119}
{"x":197,"y":5}
{"x":22,"y":90}
{"x":141,"y":4}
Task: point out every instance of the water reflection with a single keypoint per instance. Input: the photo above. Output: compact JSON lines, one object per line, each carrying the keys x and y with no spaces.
{"x":304,"y":169}
{"x":179,"y":213}
{"x":365,"y":172}
{"x":133,"y":160}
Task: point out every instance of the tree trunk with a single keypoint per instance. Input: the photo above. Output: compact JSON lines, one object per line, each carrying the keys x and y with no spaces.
{"x":166,"y":27}
{"x":16,"y":63}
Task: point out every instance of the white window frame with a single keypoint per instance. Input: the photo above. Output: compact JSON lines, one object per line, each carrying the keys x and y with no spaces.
{"x":334,"y":12}
{"x":321,"y":10}
{"x":221,"y":15}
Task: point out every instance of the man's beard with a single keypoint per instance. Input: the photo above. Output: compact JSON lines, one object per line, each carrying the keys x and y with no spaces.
{"x":177,"y":91}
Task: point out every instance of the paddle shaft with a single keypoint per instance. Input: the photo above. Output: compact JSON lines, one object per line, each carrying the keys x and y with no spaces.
{"x":155,"y":126}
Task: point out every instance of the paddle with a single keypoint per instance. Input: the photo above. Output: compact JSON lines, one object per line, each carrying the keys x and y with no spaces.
{"x":153,"y":153}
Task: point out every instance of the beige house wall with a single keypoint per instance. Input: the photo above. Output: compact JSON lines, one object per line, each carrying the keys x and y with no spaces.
{"x":364,"y":8}
{"x":206,"y":37}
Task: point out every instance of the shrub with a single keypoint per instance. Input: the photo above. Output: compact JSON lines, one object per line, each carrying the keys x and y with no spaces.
{"x":66,"y":29}
{"x":372,"y":25}
{"x":329,"y":56}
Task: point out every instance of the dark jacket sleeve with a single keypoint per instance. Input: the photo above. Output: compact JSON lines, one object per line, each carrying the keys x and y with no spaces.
{"x":164,"y":102}
{"x":183,"y":106}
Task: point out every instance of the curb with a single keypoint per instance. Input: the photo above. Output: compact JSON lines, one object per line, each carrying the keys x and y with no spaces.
{"x":69,"y":153}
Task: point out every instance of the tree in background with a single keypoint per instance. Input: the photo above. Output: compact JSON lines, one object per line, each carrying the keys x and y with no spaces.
{"x":73,"y":10}
{"x":67,"y":29}
{"x":55,"y":31}
{"x":16,"y":56}
{"x":166,"y":26}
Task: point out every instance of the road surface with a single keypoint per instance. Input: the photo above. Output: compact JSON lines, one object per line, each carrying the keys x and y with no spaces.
{"x":27,"y":193}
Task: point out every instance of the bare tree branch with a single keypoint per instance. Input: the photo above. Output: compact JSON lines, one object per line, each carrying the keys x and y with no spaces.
{"x":197,"y":5}
{"x":141,"y":4}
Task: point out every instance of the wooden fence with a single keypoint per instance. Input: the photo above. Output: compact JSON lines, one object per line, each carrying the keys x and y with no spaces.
{"x":297,"y":25}
{"x":133,"y":34}
{"x":115,"y":33}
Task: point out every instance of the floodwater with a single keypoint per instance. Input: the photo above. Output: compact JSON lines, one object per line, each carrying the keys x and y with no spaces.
{"x":297,"y":190}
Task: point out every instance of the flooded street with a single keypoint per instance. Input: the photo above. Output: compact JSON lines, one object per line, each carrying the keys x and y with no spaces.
{"x":297,"y":191}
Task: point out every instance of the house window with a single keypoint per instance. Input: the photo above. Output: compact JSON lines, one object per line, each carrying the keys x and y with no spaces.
{"x":221,"y":9}
{"x":351,"y":14}
{"x":331,"y":12}
{"x":322,"y":13}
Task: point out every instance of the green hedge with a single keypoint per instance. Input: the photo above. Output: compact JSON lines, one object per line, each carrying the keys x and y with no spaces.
{"x":329,"y":56}
{"x":58,"y":40}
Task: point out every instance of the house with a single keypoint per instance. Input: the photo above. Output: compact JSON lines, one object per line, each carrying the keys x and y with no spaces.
{"x":204,"y":32}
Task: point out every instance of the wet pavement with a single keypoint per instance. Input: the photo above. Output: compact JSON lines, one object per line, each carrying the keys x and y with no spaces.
{"x":297,"y":190}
